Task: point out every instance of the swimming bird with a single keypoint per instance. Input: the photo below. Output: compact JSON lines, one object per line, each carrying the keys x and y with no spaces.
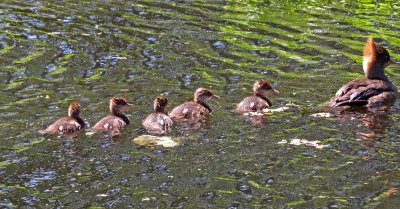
{"x":195,"y":109}
{"x":69,"y":124}
{"x":258,"y":101}
{"x":158,"y":122}
{"x":376,"y":89}
{"x":117,"y":120}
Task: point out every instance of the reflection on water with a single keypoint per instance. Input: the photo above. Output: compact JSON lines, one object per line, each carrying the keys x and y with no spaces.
{"x":376,"y":122}
{"x":54,"y":52}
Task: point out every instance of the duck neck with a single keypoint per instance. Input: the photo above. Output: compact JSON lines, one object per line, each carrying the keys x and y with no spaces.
{"x":380,"y":75}
{"x":375,"y":71}
{"x":159,"y":109}
{"x":76,"y":115}
{"x":118,"y":113}
{"x":263,"y":98}
{"x":204,"y":104}
{"x":80,"y":121}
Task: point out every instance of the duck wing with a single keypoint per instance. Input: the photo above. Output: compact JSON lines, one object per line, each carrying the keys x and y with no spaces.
{"x":359,"y":91}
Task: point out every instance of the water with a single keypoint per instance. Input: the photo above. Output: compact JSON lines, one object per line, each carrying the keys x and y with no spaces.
{"x":302,"y":156}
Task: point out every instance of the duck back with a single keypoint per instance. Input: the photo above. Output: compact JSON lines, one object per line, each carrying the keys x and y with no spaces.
{"x":109,"y":123}
{"x":64,"y":125}
{"x":189,"y":110}
{"x":365,"y":92}
{"x":252,"y":104}
{"x":157,"y":123}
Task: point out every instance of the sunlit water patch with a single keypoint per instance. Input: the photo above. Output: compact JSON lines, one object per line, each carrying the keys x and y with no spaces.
{"x":294,"y":155}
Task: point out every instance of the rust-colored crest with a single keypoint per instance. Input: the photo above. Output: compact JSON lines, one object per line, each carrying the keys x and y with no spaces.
{"x":375,"y":59}
{"x":118,"y":103}
{"x":74,"y":109}
{"x":370,"y":49}
{"x":200,"y":91}
{"x":261,"y":84}
{"x":160,"y":102}
{"x":118,"y":100}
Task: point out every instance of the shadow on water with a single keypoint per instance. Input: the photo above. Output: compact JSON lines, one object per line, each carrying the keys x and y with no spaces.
{"x":297,"y":156}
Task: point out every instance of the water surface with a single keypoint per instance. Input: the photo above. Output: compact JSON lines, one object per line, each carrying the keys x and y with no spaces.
{"x":54,"y":52}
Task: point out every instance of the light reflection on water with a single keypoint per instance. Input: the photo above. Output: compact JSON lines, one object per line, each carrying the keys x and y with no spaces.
{"x":53,"y":52}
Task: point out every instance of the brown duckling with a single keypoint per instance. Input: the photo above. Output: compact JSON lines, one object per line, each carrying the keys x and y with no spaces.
{"x":194,"y":109}
{"x":69,"y":124}
{"x":117,"y":120}
{"x":258,"y":101}
{"x":158,"y":122}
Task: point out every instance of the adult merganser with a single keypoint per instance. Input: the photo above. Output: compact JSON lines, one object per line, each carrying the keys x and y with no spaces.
{"x":374,"y":91}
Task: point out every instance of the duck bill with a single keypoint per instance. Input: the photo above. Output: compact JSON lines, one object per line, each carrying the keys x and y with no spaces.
{"x":128,"y":105}
{"x":215,"y":97}
{"x":394,"y":63}
{"x":168,"y":105}
{"x":275,"y":91}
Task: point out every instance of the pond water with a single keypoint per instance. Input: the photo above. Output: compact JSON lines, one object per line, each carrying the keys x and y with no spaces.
{"x":298,"y":156}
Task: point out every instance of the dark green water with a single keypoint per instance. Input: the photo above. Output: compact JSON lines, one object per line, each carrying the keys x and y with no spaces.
{"x":53,"y":52}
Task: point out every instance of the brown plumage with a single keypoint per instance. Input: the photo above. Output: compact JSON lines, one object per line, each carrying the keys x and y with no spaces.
{"x":117,"y":120}
{"x":194,"y":109}
{"x":259,"y":101}
{"x":69,"y":124}
{"x":158,"y":122}
{"x":373,"y":91}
